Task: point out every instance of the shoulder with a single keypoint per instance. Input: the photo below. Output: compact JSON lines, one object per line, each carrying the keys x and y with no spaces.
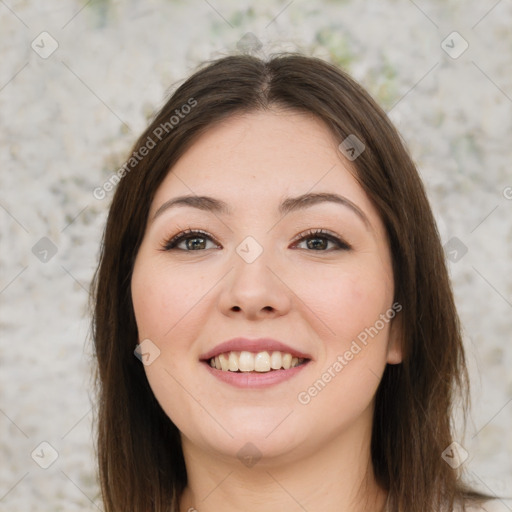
{"x":489,"y":506}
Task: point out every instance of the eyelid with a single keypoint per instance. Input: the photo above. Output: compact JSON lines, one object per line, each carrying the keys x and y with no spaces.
{"x":323,"y":233}
{"x":182,"y":235}
{"x":170,"y":244}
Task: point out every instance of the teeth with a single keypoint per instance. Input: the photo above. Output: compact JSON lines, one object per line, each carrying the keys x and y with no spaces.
{"x":246,"y":362}
{"x":224,"y":362}
{"x":233,"y":361}
{"x":276,"y":360}
{"x":262,"y":362}
{"x":249,"y":362}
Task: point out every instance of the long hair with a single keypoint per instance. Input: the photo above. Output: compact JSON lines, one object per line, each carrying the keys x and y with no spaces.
{"x":141,"y":463}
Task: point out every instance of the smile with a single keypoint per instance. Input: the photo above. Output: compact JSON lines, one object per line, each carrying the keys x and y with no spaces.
{"x":261,"y":362}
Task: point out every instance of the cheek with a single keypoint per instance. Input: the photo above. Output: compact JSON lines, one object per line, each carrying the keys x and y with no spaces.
{"x":168,"y":312}
{"x":353,"y":304}
{"x":164,"y":297}
{"x":347,"y":301}
{"x":352,"y":362}
{"x":149,"y":294}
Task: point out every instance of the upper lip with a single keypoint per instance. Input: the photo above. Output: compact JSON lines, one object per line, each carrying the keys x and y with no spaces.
{"x":254,"y":345}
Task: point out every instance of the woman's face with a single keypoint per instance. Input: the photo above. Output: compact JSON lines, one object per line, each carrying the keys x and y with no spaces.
{"x":289,"y":249}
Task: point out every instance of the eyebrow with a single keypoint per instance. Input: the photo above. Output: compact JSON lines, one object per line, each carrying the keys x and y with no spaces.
{"x":290,"y":204}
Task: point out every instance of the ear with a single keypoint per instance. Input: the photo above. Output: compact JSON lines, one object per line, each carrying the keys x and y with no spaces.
{"x":395,"y":341}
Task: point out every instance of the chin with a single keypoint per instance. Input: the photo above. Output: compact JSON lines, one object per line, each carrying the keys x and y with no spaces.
{"x":265,"y":437}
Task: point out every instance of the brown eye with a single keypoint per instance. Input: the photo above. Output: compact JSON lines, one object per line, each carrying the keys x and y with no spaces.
{"x":318,"y":240}
{"x":190,"y":241}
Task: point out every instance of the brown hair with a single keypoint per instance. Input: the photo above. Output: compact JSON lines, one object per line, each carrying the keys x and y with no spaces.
{"x":141,"y":463}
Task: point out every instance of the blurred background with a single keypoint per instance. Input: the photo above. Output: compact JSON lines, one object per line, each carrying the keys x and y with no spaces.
{"x":79,"y":81}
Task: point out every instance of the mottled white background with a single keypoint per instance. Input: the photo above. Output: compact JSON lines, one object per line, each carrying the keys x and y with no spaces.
{"x":67,"y":122}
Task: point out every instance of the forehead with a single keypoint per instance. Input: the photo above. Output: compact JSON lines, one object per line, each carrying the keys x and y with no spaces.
{"x":255,"y":159}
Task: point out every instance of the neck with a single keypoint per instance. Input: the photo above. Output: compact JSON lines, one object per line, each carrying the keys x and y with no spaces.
{"x":315,"y":481}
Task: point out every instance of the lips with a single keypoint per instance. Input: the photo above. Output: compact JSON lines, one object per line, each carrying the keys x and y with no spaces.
{"x":254,"y":364}
{"x":253,"y":346}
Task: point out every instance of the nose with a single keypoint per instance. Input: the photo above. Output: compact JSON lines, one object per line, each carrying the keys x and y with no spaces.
{"x":255,"y":290}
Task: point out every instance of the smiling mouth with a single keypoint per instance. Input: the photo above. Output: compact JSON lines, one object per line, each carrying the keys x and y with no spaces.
{"x":260,"y":362}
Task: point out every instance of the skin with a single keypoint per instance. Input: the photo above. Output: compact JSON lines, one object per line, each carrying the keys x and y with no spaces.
{"x":317,"y":298}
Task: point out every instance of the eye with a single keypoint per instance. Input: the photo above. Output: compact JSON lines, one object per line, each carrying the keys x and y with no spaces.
{"x":196,"y":240}
{"x":193,"y":240}
{"x":319,"y":239}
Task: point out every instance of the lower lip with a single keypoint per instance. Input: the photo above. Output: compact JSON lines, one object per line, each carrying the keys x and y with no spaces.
{"x":253,"y":380}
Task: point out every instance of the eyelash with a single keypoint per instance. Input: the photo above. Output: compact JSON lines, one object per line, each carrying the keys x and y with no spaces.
{"x":188,"y":234}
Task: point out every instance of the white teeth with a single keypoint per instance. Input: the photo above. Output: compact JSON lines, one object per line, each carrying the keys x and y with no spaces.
{"x":249,"y":362}
{"x":224,"y":362}
{"x":262,"y":362}
{"x":246,"y":362}
{"x":276,"y":360}
{"x":233,"y":362}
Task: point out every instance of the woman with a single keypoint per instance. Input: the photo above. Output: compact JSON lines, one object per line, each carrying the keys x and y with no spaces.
{"x":271,"y":256}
